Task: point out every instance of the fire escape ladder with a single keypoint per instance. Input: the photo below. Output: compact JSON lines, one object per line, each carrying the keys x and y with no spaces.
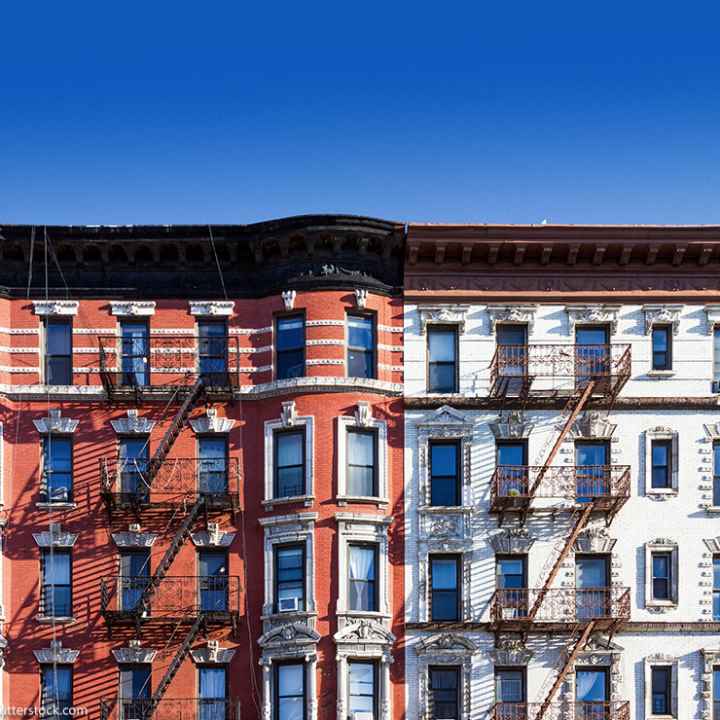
{"x":171,"y":434}
{"x":177,"y":661}
{"x":181,"y":535}
{"x":567,"y":546}
{"x":579,"y":645}
{"x":576,"y":402}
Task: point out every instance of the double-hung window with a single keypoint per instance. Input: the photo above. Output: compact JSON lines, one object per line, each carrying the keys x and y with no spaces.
{"x":135,"y":686}
{"x":58,"y":352}
{"x":56,"y":591}
{"x":213,"y":350}
{"x":290,"y":691}
{"x":134,"y":352}
{"x":290,"y":577}
{"x":56,"y":691}
{"x":716,"y":588}
{"x":661,"y":347}
{"x":57,"y":468}
{"x":362,"y":463}
{"x":361,"y":346}
{"x":212,"y":465}
{"x":445,"y":587}
{"x":212,"y":703}
{"x":290,"y":347}
{"x":214,"y":580}
{"x":661,"y":686}
{"x":289,"y":463}
{"x":442,"y":359}
{"x":444,"y":692}
{"x":362,"y":577}
{"x":661,"y":576}
{"x":362,"y":689}
{"x":716,"y":473}
{"x":661,"y":454}
{"x":445,"y":473}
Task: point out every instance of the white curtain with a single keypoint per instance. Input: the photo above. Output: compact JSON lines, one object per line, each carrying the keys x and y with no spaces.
{"x":361,"y":566}
{"x":590,"y":686}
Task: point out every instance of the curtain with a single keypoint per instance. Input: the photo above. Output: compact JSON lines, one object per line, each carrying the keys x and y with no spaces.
{"x":212,"y":683}
{"x":362,"y":570}
{"x":590,"y":686}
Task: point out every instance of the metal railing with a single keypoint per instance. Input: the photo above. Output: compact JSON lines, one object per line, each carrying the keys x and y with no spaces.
{"x":170,"y":709}
{"x":563,"y":711}
{"x":514,"y":366}
{"x":576,"y":482}
{"x":561,"y":605}
{"x":175,"y":596}
{"x":128,"y":478}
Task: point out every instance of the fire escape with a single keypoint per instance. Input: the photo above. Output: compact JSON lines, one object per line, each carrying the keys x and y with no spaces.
{"x":158,"y":606}
{"x":577,"y":376}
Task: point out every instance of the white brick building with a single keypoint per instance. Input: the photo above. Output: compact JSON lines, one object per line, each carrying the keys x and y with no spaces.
{"x":561,"y":504}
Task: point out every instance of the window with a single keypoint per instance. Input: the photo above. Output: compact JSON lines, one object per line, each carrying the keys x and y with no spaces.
{"x":592,"y":578}
{"x":134,"y":690}
{"x":289,"y":691}
{"x":213,"y":693}
{"x":362,"y":688}
{"x":512,"y":357}
{"x":716,"y":358}
{"x":212,"y":351}
{"x":361,"y":346}
{"x":592,"y":692}
{"x":212,"y":466}
{"x":290,"y":347}
{"x":661,"y":682}
{"x":134,"y":455}
{"x":510,"y":688}
{"x":362,"y":573}
{"x":58,"y":352}
{"x":716,"y":693}
{"x":134,"y":576}
{"x":445,"y":587}
{"x":56,"y":691}
{"x":716,"y":473}
{"x":716,"y":587}
{"x":512,"y":470}
{"x":289,"y":578}
{"x":56,"y":591}
{"x":661,"y":569}
{"x":362,"y":463}
{"x":57,"y":468}
{"x":661,"y":347}
{"x":592,"y":478}
{"x":213,"y":580}
{"x":661,"y":452}
{"x":445,"y":473}
{"x":445,"y":693}
{"x":289,"y":463}
{"x":442,"y":359}
{"x":511,"y":581}
{"x":134,"y":352}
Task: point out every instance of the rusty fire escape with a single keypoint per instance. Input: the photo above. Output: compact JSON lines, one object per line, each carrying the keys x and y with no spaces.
{"x":578,"y":375}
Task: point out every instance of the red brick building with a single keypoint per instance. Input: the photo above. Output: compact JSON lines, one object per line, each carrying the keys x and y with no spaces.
{"x":203,"y":470}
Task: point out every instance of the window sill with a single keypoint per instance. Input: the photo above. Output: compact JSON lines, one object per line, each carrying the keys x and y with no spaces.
{"x":662,"y":494}
{"x":373,"y":614}
{"x":295,"y":615}
{"x":661,"y":605}
{"x":306,"y":500}
{"x":48,"y":620}
{"x":369,"y":500}
{"x":660,"y":374}
{"x":444,"y":509}
{"x":49,"y":506}
{"x":712,"y":509}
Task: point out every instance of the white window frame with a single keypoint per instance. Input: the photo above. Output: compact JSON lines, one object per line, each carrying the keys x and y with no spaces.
{"x":662,"y":433}
{"x":284,"y":530}
{"x":710,"y":660}
{"x":362,"y":420}
{"x":289,"y":420}
{"x":660,"y":660}
{"x":667,"y":546}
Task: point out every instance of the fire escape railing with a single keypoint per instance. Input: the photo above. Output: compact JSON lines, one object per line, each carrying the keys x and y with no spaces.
{"x":119,"y":708}
{"x":562,"y":711}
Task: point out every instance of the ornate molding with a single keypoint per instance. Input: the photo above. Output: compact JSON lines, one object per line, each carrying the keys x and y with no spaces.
{"x":288,"y":298}
{"x":134,"y":654}
{"x":286,"y":639}
{"x":511,"y":424}
{"x":133,"y":308}
{"x":592,"y":314}
{"x":213,"y":537}
{"x":594,"y":540}
{"x":288,"y":414}
{"x":133,"y":424}
{"x":134,"y":539}
{"x":56,"y":653}
{"x":445,"y":421}
{"x":363,"y":414}
{"x":511,"y":541}
{"x":212,"y":654}
{"x":712,"y":430}
{"x":363,"y":632}
{"x":511,"y":652}
{"x":55,"y":423}
{"x":511,"y":314}
{"x":211,"y":422}
{"x":361,"y":296}
{"x":712,"y":544}
{"x":55,"y":537}
{"x":662,"y":314}
{"x":445,"y":315}
{"x":212,"y":307}
{"x":711,"y":658}
{"x":592,"y":424}
{"x":712,"y":314}
{"x":48,"y":308}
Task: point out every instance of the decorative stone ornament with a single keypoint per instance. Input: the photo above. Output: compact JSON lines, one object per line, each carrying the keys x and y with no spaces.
{"x":511,"y":541}
{"x":47,"y":308}
{"x":288,"y":414}
{"x":361,"y":296}
{"x":55,"y":423}
{"x":445,"y":315}
{"x":212,"y":654}
{"x":594,"y":540}
{"x":511,"y":424}
{"x":592,"y":424}
{"x":712,"y":313}
{"x":511,"y":314}
{"x":54,"y":536}
{"x":132,"y":308}
{"x":133,"y":538}
{"x":56,"y":653}
{"x":363,"y":414}
{"x":133,"y":424}
{"x":711,"y":659}
{"x":288,"y":298}
{"x":134,"y":654}
{"x":214,"y":536}
{"x":212,"y":308}
{"x":592,"y":314}
{"x":662,"y":315}
{"x":511,"y":652}
{"x":211,"y":422}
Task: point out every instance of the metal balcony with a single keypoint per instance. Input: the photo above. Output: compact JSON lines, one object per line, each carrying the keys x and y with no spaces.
{"x":177,"y":599}
{"x":559,"y":608}
{"x":126,"y":483}
{"x":606,"y":486}
{"x":182,"y":709}
{"x":562,"y":711}
{"x":556,"y":370}
{"x":166,"y":367}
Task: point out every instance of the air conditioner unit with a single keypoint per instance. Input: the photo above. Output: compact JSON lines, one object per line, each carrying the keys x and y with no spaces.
{"x":134,"y":527}
{"x":290,"y":604}
{"x":364,"y":715}
{"x":509,"y":613}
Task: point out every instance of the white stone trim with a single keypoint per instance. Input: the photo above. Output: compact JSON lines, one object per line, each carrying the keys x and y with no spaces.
{"x":211,"y":308}
{"x":592,"y":314}
{"x":669,"y":546}
{"x":655,"y":660}
{"x":363,"y":644}
{"x":134,"y":539}
{"x":362,"y":420}
{"x":56,"y":653}
{"x":443,"y":315}
{"x":710,"y":659}
{"x":361,"y":297}
{"x":214,"y":537}
{"x":55,"y":537}
{"x":662,"y":433}
{"x":211,"y":422}
{"x":55,"y":423}
{"x":52,"y":308}
{"x":133,"y":424}
{"x":290,"y":648}
{"x":662,"y":315}
{"x":281,"y":530}
{"x":288,"y":298}
{"x":134,"y":654}
{"x":712,"y":315}
{"x":212,"y":654}
{"x":511,"y":315}
{"x":132,"y":308}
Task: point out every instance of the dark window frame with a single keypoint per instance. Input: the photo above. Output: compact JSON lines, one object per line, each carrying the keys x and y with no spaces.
{"x":47,"y":356}
{"x":44,"y":557}
{"x":457,"y":444}
{"x":669,"y":579}
{"x":457,"y":557}
{"x":716,"y":589}
{"x":668,"y":468}
{"x":277,"y":319}
{"x":276,"y":686}
{"x":457,"y":669}
{"x":371,"y":432}
{"x":209,"y":701}
{"x":302,"y":431}
{"x":456,"y":363}
{"x":373,"y":351}
{"x":50,"y":438}
{"x":667,"y":361}
{"x":716,"y":473}
{"x":375,"y":583}
{"x":666,"y":692}
{"x":276,"y":575}
{"x":129,"y":667}
{"x":521,"y":669}
{"x":225,"y":337}
{"x":66,"y":703}
{"x":523,"y":557}
{"x":138,"y":322}
{"x":221,"y":437}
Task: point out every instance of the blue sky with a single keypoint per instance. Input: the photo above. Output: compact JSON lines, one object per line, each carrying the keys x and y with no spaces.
{"x":237,"y":112}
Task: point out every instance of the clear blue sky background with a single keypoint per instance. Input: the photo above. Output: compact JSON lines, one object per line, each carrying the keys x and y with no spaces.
{"x":236,"y":112}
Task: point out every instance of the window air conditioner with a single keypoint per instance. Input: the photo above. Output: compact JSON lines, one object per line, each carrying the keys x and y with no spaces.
{"x":59,"y":495}
{"x":509,"y":613}
{"x":364,"y":715}
{"x":290,"y":604}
